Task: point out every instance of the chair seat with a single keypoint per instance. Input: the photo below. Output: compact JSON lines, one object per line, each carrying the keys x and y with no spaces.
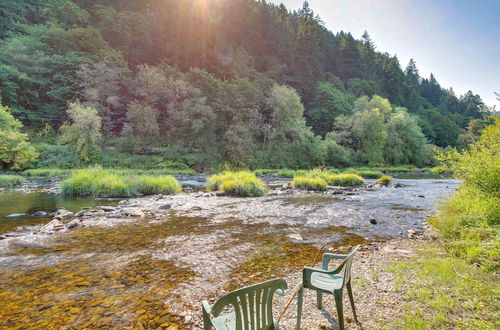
{"x":227,"y":321}
{"x":326,"y":282}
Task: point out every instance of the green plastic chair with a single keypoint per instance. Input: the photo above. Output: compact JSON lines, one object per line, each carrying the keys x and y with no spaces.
{"x":252,"y":308}
{"x":329,"y":281}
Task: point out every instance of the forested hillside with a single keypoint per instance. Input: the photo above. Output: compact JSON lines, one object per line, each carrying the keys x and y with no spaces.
{"x":209,"y":82}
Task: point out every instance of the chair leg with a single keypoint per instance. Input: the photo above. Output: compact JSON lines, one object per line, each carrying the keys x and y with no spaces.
{"x":351,"y":298}
{"x":300,"y":297}
{"x":319,"y":299}
{"x":340,"y":311}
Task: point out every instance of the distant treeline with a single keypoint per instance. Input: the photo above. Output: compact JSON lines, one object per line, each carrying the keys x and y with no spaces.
{"x":241,"y":82}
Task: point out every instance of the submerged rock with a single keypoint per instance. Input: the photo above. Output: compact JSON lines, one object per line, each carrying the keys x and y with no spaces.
{"x":39,"y":214}
{"x":373,"y":221}
{"x":15,"y":215}
{"x":165,"y":207}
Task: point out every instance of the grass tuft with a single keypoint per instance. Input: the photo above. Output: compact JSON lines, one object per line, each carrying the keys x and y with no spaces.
{"x":153,"y":185}
{"x":385,"y":180}
{"x":309,"y":183}
{"x":100,"y":183}
{"x":8,"y":181}
{"x":242,"y":183}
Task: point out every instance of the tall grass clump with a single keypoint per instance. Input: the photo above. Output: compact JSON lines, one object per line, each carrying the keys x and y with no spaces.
{"x":153,"y":185}
{"x":309,"y":183}
{"x":343,"y":179}
{"x":469,"y":220}
{"x":107,"y":183}
{"x":346,"y":180}
{"x":385,"y":180}
{"x":241,"y":183}
{"x":7,"y":181}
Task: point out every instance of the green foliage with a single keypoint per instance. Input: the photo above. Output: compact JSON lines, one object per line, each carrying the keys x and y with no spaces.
{"x":108,"y":183}
{"x":7,"y":181}
{"x":309,"y":183}
{"x":242,"y":183}
{"x":222,"y":98}
{"x":83,"y":133}
{"x":469,"y":220}
{"x":15,"y":150}
{"x":365,"y":173}
{"x":329,"y":103}
{"x":54,"y":156}
{"x":46,"y":172}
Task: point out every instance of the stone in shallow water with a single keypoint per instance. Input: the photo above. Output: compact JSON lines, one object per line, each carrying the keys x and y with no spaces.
{"x":65,"y":215}
{"x":133,"y":213}
{"x":39,"y":214}
{"x":108,"y":208}
{"x":165,"y":207}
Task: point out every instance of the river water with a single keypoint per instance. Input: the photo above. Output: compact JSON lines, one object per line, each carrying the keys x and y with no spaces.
{"x":154,"y":271}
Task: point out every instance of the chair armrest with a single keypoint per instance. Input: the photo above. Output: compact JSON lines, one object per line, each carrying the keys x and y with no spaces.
{"x":329,"y":256}
{"x":206,"y":307}
{"x":207,"y":315}
{"x":308,"y":271}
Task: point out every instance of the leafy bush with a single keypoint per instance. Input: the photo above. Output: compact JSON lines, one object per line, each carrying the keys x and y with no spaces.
{"x":240,"y":183}
{"x":7,"y":181}
{"x":469,"y":220}
{"x":309,"y":183}
{"x":144,"y":162}
{"x":385,"y":180}
{"x":15,"y":150}
{"x":99,"y":183}
{"x":54,"y":156}
{"x":83,"y":132}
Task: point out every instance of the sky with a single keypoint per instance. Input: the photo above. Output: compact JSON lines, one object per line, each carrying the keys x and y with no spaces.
{"x":457,"y":40}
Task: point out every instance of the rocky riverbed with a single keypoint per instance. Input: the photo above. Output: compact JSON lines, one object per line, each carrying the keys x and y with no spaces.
{"x":148,"y":262}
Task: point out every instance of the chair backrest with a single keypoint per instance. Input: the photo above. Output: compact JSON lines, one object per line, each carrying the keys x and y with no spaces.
{"x":252,"y":304}
{"x":347,"y":265}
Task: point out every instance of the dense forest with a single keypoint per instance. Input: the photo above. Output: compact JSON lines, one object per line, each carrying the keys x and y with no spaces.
{"x":204,"y":82}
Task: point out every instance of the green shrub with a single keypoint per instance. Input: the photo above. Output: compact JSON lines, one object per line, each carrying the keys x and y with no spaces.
{"x":100,"y":183}
{"x":469,"y":220}
{"x":309,"y":183}
{"x":46,"y":172}
{"x":7,"y":181}
{"x":153,"y":185}
{"x":54,"y":156}
{"x":385,"y":180}
{"x":242,"y":183}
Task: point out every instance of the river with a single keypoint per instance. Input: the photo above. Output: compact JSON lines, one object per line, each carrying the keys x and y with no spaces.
{"x":124,"y":272}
